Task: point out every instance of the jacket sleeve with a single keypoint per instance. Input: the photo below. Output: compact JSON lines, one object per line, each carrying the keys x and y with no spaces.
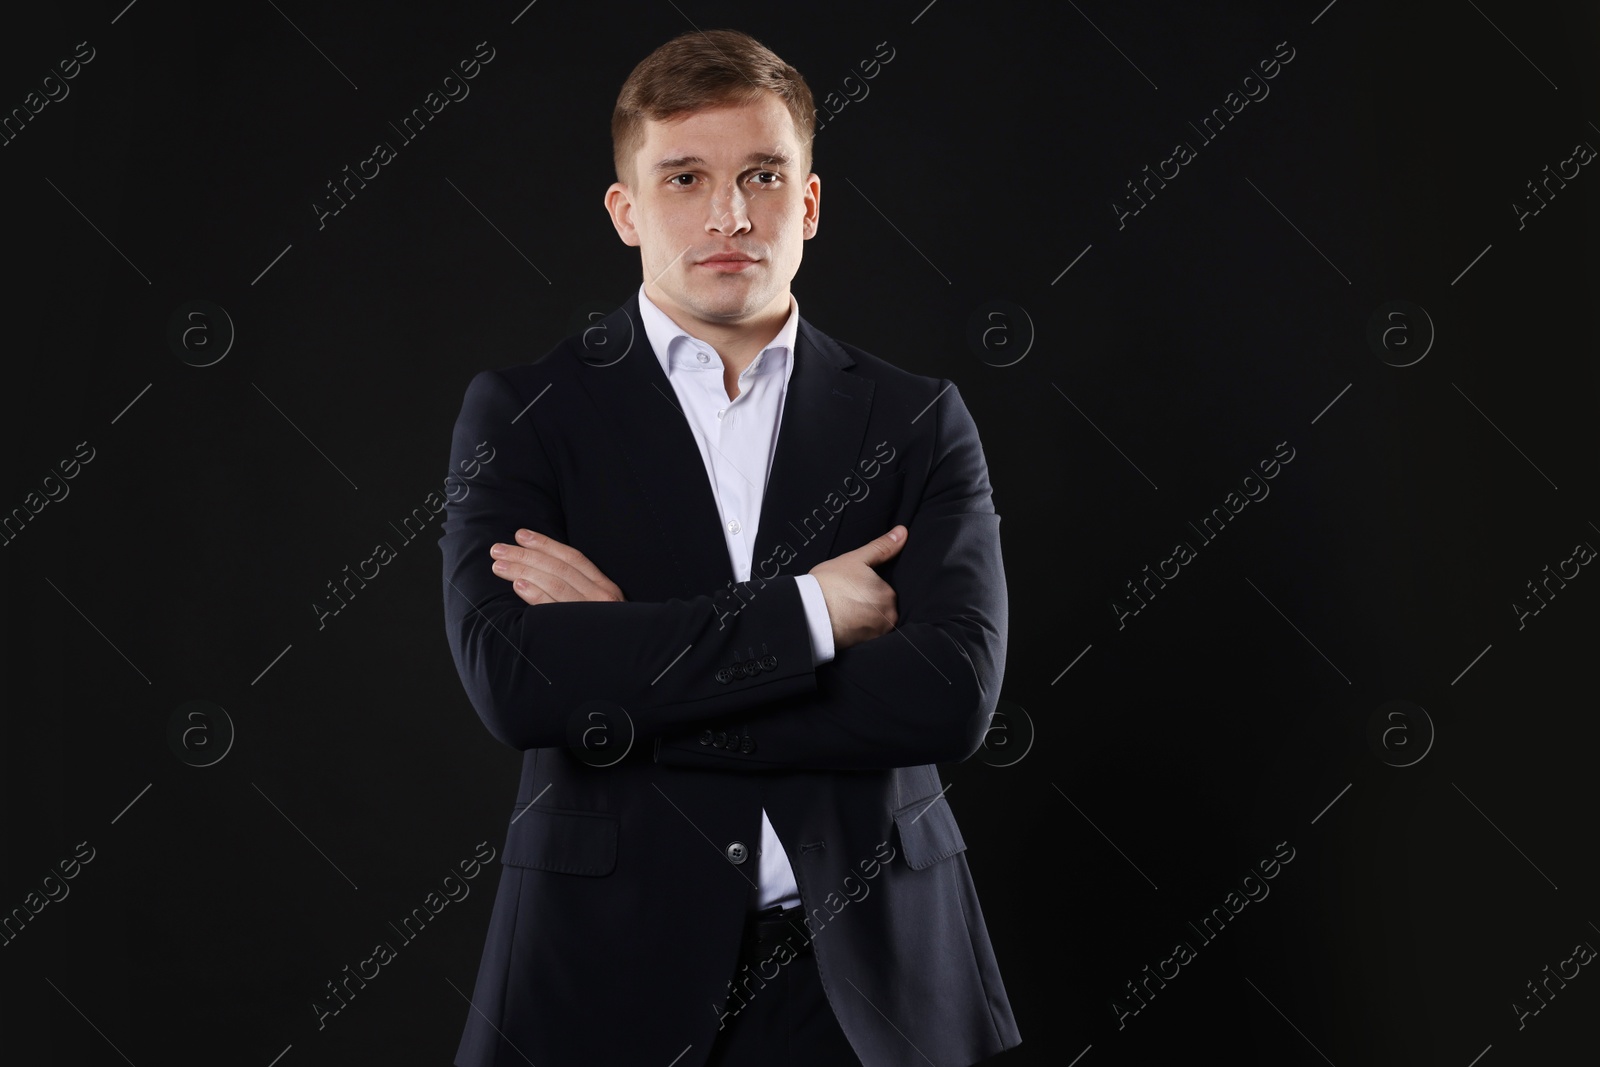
{"x":533,"y":671}
{"x":925,"y":691}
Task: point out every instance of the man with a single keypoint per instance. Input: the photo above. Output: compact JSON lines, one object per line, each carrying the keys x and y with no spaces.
{"x":729,"y":845}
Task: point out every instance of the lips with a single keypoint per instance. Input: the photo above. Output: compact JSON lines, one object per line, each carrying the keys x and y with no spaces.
{"x":727,"y":264}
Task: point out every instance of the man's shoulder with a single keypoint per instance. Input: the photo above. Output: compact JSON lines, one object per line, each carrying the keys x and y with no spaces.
{"x":867,"y":365}
{"x":557,"y":363}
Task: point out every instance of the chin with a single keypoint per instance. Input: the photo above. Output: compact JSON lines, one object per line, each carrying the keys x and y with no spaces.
{"x":728,"y":301}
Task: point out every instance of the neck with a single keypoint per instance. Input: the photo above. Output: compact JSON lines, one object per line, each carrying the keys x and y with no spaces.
{"x":738,"y":343}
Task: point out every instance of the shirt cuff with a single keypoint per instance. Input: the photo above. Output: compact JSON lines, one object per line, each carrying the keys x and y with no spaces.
{"x":817,"y":618}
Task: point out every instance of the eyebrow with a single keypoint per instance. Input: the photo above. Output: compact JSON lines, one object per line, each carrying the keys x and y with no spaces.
{"x":776,"y":157}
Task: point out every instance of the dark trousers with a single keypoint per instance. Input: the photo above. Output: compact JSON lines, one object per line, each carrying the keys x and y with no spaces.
{"x":783,"y":1020}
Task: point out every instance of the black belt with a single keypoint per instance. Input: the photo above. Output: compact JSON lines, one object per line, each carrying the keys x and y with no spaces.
{"x":765,"y":930}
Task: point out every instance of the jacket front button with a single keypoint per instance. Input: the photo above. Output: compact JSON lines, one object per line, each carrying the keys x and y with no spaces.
{"x":737,"y":852}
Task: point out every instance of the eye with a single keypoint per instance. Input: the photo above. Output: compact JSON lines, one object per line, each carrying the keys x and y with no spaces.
{"x":771,"y":174}
{"x":674,"y":179}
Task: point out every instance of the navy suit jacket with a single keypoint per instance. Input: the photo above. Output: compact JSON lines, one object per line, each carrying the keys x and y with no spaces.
{"x":654,"y":731}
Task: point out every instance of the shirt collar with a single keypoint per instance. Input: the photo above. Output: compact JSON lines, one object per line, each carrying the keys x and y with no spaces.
{"x":675,"y":347}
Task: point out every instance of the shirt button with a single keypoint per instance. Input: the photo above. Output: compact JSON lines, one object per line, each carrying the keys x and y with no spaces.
{"x":720,"y":411}
{"x":733,"y":526}
{"x":703,"y":358}
{"x":737,"y":852}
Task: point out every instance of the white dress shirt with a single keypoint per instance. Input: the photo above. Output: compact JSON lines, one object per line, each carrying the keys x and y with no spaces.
{"x":737,"y":440}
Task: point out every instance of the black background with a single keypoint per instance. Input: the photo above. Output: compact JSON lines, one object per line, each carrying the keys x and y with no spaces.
{"x":1230,"y":315}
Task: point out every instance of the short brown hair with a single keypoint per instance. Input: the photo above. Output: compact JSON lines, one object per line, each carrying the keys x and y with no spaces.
{"x":704,"y":69}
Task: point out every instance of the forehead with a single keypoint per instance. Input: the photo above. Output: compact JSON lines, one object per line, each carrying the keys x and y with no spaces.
{"x":725,"y":135}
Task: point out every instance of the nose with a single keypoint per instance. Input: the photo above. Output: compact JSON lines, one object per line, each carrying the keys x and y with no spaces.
{"x":728,"y":211}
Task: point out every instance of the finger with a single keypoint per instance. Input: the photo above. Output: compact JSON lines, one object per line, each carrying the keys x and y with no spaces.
{"x":566,"y":553}
{"x":561,"y":581}
{"x":882,"y":549}
{"x":867,"y":600}
{"x":530,"y":593}
{"x":545,"y":577}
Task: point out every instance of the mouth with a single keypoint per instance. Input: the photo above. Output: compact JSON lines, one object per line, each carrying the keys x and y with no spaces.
{"x":727,"y":264}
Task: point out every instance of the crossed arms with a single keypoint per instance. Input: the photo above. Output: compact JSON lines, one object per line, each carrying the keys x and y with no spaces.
{"x":921,"y":693}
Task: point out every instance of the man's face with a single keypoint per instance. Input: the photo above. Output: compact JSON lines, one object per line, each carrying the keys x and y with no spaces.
{"x":716,"y":181}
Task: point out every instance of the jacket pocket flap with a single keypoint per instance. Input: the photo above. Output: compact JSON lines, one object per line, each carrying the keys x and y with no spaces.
{"x":564,"y":841}
{"x":928,"y":831}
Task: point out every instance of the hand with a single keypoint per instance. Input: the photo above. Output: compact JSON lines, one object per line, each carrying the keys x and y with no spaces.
{"x":861,"y":605}
{"x":542,"y":570}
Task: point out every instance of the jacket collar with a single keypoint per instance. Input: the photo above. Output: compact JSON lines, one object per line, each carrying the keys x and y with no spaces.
{"x":820,"y":438}
{"x":662,"y":333}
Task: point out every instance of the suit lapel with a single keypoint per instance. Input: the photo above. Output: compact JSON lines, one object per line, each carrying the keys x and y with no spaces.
{"x":820,"y":437}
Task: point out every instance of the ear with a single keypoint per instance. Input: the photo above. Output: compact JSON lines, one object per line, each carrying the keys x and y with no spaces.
{"x":813,"y":207}
{"x":619,"y":204}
